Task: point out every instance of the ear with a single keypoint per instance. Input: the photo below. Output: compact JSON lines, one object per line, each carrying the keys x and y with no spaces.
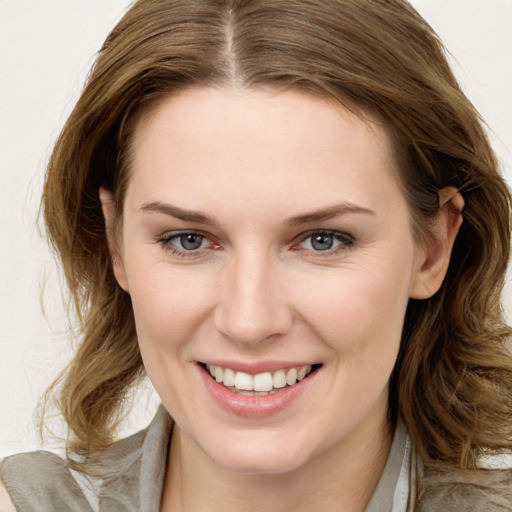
{"x":433,"y":260}
{"x":108,"y":206}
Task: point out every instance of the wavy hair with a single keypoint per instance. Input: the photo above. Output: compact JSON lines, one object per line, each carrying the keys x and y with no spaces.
{"x":452,"y":384}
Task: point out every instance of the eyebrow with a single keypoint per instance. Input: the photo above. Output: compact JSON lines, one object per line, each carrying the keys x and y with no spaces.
{"x":329,"y":213}
{"x":180,"y":213}
{"x":298,"y":220}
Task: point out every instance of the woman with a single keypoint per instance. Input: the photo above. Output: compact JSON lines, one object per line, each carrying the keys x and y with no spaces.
{"x":288,"y":216}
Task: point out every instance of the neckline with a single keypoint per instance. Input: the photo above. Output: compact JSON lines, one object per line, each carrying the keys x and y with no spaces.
{"x":150,"y":462}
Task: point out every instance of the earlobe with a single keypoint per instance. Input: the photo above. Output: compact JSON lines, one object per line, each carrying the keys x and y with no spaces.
{"x":108,"y":207}
{"x":433,"y":260}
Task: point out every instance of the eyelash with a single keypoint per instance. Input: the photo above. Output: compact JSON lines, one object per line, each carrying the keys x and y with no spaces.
{"x":166,"y":241}
{"x":346,"y":241}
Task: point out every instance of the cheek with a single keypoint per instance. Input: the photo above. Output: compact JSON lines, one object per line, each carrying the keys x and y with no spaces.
{"x":361,"y":299}
{"x":170,"y":309}
{"x":360,"y":320}
{"x":360,"y":311}
{"x":169,"y":305}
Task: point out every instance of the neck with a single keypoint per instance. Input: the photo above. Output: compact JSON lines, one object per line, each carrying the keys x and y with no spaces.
{"x":343,"y":478}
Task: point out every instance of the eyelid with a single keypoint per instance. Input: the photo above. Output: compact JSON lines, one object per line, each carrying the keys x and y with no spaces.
{"x":174,"y":233}
{"x":347,"y":242}
{"x":165,"y":240}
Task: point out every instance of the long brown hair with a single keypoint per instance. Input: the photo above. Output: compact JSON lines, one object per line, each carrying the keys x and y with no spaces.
{"x":452,"y":384}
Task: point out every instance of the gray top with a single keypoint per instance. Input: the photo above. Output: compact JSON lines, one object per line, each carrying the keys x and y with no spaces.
{"x":133,"y":475}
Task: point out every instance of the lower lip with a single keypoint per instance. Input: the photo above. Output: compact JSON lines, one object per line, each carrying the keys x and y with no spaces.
{"x":254,"y":406}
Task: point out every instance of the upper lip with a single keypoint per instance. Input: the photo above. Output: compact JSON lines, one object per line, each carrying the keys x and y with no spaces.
{"x":256,"y":367}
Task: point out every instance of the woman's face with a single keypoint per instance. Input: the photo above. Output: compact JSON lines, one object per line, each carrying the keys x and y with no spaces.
{"x":264,"y":233}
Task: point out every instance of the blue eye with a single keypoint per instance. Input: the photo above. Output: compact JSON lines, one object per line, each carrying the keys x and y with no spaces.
{"x":184,"y":243}
{"x":326,"y":241}
{"x":190,"y":241}
{"x":322,"y":242}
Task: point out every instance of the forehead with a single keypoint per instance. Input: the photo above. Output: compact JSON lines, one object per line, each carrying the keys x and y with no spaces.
{"x":259,"y":144}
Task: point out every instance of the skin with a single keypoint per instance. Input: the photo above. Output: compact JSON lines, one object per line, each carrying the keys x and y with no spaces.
{"x":257,"y":290}
{"x":6,"y":505}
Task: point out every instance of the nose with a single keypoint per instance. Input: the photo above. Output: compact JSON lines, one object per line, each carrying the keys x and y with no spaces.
{"x":252,"y":307}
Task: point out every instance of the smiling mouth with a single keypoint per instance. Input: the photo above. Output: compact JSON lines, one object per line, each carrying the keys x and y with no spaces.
{"x":261,"y":384}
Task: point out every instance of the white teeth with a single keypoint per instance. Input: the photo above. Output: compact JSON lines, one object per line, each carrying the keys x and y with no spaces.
{"x":229,"y":377}
{"x":279,"y":380}
{"x":261,"y":383}
{"x":291,"y":376}
{"x":243,"y":381}
{"x":302,"y":372}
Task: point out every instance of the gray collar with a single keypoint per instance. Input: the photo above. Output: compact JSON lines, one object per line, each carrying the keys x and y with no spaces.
{"x":393,"y":492}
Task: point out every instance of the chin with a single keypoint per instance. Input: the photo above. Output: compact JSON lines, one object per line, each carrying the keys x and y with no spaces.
{"x":258,"y":465}
{"x":260,"y":458}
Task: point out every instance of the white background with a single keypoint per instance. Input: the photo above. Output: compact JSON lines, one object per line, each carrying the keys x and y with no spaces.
{"x":46,"y":49}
